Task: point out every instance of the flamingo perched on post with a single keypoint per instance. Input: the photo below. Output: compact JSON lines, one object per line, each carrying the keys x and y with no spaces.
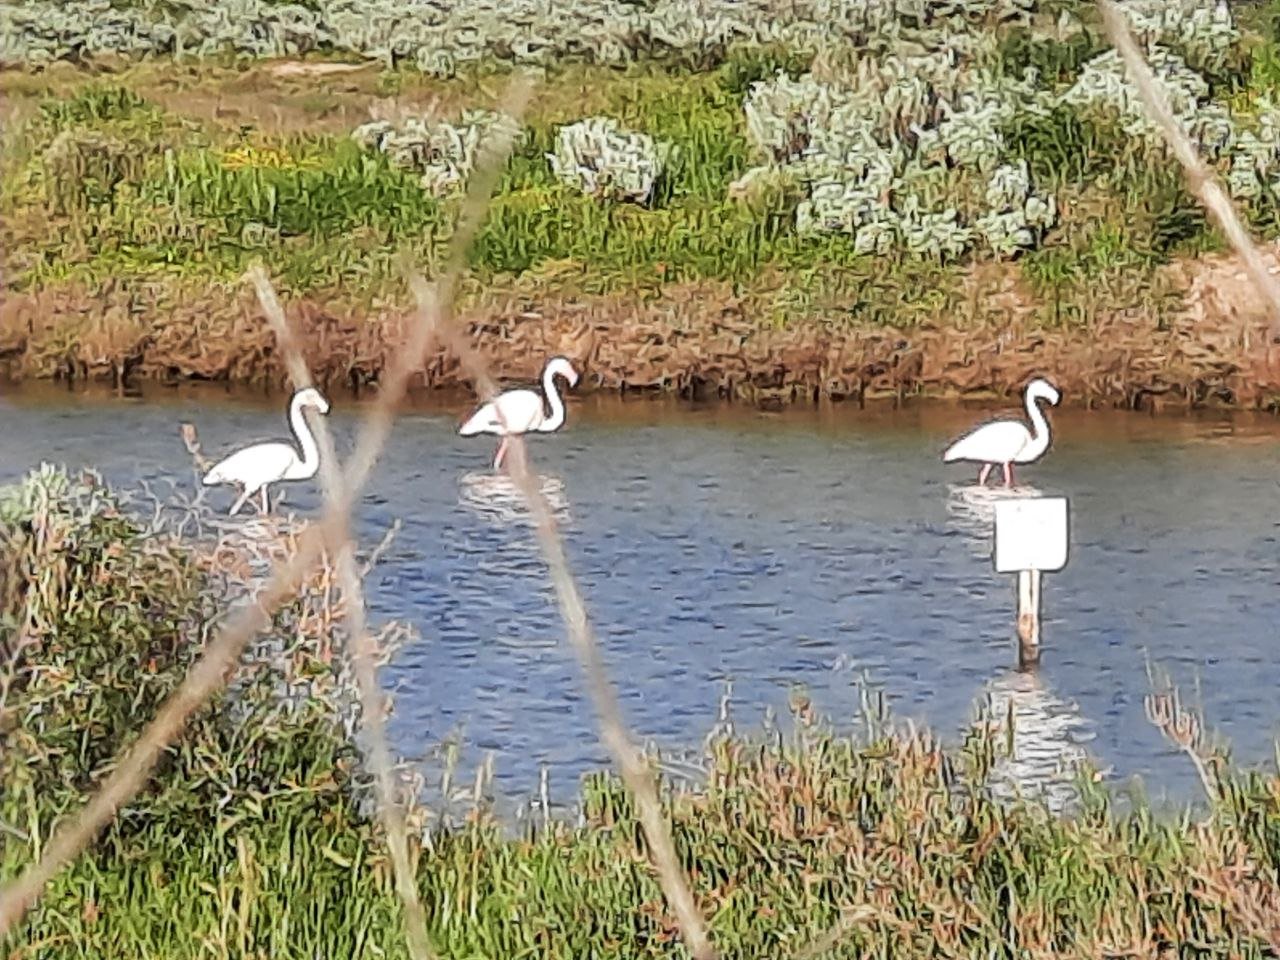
{"x":257,"y":466}
{"x":521,"y":411}
{"x":1006,"y":442}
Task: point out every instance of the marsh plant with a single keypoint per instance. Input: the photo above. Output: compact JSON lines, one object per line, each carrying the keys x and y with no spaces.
{"x":108,"y":600}
{"x":604,"y":160}
{"x":443,"y":153}
{"x":927,"y":139}
{"x":438,"y":36}
{"x":888,"y":146}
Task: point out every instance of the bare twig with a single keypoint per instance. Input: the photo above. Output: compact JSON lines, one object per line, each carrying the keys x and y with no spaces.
{"x":383,"y":545}
{"x":208,"y":673}
{"x":192,"y":442}
{"x":371,"y":700}
{"x":1200,"y":179}
{"x":613,"y":729}
{"x":1182,"y":728}
{"x":365,"y":653}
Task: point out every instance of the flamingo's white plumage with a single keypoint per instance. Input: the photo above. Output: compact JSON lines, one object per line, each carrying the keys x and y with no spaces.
{"x":522,"y":411}
{"x":257,"y":466}
{"x":1006,"y":442}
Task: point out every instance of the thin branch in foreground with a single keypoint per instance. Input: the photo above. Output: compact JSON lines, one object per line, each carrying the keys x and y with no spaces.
{"x":848,"y":921}
{"x":1199,"y":177}
{"x":613,"y":729}
{"x":371,"y":700}
{"x":209,"y":673}
{"x":365,"y":653}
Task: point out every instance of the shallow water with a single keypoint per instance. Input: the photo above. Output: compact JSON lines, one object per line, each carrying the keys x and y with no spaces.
{"x":815,"y":547}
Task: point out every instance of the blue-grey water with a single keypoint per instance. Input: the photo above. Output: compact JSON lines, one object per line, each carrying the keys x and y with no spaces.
{"x":814,"y":547}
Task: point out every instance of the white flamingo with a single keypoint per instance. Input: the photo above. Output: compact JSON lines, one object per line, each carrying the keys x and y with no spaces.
{"x":1006,"y":442}
{"x":522,"y":411}
{"x":257,"y":466}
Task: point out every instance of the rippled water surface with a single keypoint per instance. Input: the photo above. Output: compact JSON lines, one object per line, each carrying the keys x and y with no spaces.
{"x":810,"y":547}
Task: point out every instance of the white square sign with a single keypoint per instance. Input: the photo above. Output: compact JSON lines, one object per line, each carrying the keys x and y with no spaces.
{"x":1030,"y":534}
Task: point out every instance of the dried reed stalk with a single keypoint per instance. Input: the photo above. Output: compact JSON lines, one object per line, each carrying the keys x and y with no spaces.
{"x":1199,"y":177}
{"x":849,"y":920}
{"x":613,"y":729}
{"x":365,"y":652}
{"x":209,"y":673}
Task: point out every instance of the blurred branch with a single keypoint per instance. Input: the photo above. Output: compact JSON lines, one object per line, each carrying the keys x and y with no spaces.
{"x":1200,"y":178}
{"x":365,"y":647}
{"x":635,"y":772}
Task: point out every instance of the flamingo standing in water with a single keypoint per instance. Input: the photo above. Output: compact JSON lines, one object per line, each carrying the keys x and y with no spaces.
{"x":522,"y":411}
{"x":1006,"y":442}
{"x":257,"y":466}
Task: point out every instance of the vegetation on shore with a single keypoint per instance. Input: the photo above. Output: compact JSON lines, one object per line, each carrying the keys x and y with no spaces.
{"x":254,"y":838}
{"x":983,"y":170}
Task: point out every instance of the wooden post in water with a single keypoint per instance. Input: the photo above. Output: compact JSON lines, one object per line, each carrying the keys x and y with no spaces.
{"x":1028,"y":617}
{"x":1031,"y":535}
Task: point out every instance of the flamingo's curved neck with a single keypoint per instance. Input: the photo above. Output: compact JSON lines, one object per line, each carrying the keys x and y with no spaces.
{"x":1039,"y":426}
{"x":310,"y":462}
{"x":556,"y":420}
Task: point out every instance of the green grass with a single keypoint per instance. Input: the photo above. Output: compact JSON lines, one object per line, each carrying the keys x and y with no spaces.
{"x":163,"y":204}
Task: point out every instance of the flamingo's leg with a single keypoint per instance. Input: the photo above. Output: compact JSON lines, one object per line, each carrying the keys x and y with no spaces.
{"x":984,"y":473}
{"x":235,"y":507}
{"x":1008,"y":474}
{"x":266,"y":504}
{"x":502,"y":452}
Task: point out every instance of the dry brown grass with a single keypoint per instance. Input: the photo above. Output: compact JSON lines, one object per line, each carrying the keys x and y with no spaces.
{"x":695,"y":339}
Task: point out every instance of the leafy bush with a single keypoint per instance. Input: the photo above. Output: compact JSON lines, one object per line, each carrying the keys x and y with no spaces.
{"x":744,"y":67}
{"x":600,"y":158}
{"x":82,"y":169}
{"x":443,"y":153}
{"x":1055,"y":61}
{"x":1065,"y":145}
{"x":327,"y":189}
{"x":102,"y":617}
{"x":93,"y":104}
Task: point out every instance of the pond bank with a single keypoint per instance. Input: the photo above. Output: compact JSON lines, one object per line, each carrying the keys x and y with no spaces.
{"x":985,"y":339}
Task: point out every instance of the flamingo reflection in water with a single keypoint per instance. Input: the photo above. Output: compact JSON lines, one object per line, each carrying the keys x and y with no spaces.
{"x":497,"y":498}
{"x":1039,"y":740}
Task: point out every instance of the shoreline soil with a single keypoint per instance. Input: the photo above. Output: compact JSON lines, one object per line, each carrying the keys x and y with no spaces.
{"x":695,"y":340}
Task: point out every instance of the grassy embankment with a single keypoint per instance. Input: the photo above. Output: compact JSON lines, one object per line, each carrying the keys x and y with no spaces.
{"x":251,"y":841}
{"x":135,"y":200}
